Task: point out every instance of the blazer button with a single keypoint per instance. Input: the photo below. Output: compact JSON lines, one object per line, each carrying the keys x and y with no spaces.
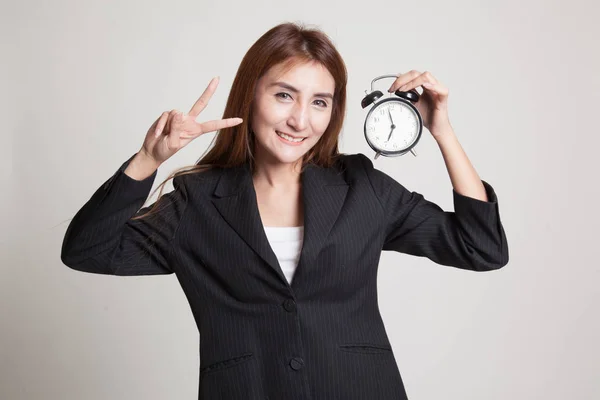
{"x":289,"y":305}
{"x":296,"y":363}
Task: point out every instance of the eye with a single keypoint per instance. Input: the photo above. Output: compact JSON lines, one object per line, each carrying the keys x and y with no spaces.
{"x":282,"y":93}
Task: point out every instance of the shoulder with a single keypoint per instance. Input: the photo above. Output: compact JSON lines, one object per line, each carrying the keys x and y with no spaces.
{"x":354,"y":164}
{"x":360,"y":167}
{"x":194,"y":181}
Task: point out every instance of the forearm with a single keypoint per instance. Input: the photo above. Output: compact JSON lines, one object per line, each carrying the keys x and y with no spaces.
{"x":141,"y":167}
{"x":463,"y":176}
{"x":97,"y":238}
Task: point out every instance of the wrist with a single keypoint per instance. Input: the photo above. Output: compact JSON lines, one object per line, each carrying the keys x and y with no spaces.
{"x":147,"y":159}
{"x":443,"y":134}
{"x":141,"y":166}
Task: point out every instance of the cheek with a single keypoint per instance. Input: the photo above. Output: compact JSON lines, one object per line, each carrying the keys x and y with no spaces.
{"x":322,"y":122}
{"x":262,"y":109}
{"x":274,"y":109}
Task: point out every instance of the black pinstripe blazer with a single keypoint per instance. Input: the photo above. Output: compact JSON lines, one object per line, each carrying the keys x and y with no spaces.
{"x":320,"y":337}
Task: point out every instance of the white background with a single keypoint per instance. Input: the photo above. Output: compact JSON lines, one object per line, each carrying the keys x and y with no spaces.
{"x":84,"y":80}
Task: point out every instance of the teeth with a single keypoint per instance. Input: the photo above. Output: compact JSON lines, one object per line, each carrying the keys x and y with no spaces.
{"x":287,"y":137}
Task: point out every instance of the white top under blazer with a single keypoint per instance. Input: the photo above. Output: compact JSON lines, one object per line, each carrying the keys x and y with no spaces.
{"x":286,"y":242}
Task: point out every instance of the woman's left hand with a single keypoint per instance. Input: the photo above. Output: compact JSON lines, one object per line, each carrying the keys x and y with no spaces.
{"x":433,"y":102}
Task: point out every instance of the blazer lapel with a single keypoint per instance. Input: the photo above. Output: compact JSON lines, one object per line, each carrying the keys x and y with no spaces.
{"x":236,"y":202}
{"x":323,"y":193}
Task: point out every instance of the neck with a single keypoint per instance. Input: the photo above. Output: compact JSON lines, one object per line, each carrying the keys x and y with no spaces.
{"x":276,"y":174}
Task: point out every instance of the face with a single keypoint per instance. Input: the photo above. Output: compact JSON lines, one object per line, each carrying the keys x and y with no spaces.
{"x":291,"y":111}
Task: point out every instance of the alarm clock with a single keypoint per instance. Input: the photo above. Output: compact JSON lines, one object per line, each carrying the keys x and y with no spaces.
{"x":393,"y":124}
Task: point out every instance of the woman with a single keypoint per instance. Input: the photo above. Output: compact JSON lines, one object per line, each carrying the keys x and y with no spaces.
{"x":275,"y":236}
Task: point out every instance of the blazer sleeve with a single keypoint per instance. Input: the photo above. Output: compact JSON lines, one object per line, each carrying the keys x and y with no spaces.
{"x":472,"y":237}
{"x":102,"y":238}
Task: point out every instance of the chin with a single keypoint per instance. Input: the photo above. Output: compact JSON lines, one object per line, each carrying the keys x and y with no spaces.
{"x":287,"y":157}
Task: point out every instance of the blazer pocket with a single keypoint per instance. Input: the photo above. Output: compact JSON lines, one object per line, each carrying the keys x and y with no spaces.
{"x":365,"y":348}
{"x":220,"y":365}
{"x":237,"y":378}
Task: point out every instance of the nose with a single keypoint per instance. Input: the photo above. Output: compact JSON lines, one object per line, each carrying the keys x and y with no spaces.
{"x":298,"y":118}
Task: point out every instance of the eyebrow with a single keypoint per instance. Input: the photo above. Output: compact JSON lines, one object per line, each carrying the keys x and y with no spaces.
{"x":293,"y":89}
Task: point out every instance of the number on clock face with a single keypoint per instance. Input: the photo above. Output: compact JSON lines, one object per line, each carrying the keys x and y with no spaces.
{"x":379,"y":126}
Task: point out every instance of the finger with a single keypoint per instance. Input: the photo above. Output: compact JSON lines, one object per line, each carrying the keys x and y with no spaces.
{"x":215,"y":125}
{"x":436,"y":88}
{"x":201,"y":103}
{"x":418,"y":81}
{"x":170,"y":142}
{"x":169,"y":124}
{"x":403,"y":79}
{"x":160,"y":123}
{"x":155,"y":123}
{"x":173,"y":123}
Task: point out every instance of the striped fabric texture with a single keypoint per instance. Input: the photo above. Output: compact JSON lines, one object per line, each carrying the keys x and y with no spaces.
{"x":322,"y":336}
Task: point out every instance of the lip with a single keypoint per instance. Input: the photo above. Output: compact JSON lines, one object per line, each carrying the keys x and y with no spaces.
{"x":288,"y":142}
{"x":295,"y":137}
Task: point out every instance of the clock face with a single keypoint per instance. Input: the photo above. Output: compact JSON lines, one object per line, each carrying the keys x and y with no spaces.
{"x":392,"y":126}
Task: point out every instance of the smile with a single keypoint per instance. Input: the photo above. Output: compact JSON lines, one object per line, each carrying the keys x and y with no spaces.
{"x":289,"y":138}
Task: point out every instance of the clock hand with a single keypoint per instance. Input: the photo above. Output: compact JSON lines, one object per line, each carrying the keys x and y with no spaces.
{"x":393,"y":127}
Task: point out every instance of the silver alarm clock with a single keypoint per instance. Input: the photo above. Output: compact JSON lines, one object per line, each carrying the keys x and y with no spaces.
{"x":393,"y":124}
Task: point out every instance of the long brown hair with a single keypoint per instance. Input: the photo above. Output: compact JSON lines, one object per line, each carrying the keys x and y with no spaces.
{"x":288,"y":44}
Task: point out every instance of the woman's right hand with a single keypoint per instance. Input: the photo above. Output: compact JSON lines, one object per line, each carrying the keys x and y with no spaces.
{"x":174,"y":130}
